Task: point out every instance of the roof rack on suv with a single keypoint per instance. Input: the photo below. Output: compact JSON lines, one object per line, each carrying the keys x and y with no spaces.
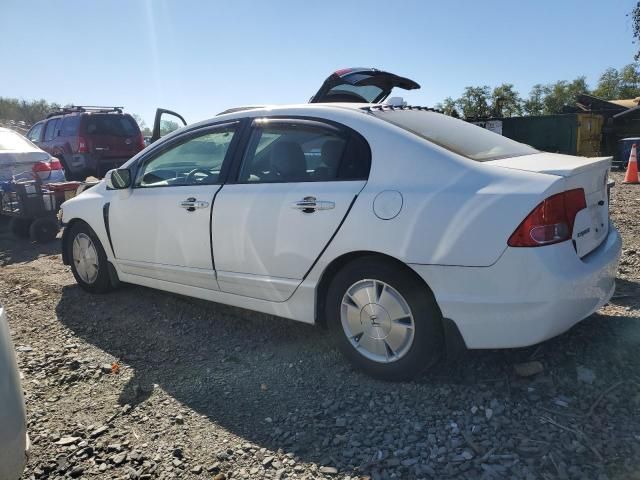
{"x":84,"y":108}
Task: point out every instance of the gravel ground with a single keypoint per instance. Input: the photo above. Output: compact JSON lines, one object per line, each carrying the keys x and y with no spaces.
{"x":145,"y":384}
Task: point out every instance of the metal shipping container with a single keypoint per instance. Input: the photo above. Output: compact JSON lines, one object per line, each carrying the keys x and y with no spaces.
{"x":573,"y":134}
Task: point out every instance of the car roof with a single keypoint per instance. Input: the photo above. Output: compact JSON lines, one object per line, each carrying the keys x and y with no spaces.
{"x":253,"y":110}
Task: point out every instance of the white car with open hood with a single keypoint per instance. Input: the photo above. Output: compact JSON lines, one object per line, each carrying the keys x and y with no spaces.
{"x":405,"y":231}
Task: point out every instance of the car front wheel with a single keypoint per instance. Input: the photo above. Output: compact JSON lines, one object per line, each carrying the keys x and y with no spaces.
{"x":88,"y":259}
{"x":385,"y":320}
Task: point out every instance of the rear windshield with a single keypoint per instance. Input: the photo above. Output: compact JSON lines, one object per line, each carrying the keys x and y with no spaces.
{"x":111,"y":124}
{"x":354,"y":93}
{"x":456,"y":135}
{"x":13,"y":142}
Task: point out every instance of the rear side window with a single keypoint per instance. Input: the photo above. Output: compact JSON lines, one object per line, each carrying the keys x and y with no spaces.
{"x":36,"y":132}
{"x":456,"y":135}
{"x":304,"y":152}
{"x":110,"y":124}
{"x":70,"y":125}
{"x":52,"y":127}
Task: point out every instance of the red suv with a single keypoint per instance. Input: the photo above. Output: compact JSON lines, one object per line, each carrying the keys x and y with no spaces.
{"x":88,"y":140}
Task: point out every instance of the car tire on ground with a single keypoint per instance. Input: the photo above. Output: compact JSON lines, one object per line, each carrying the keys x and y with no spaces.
{"x":88,"y":259}
{"x":43,"y":230}
{"x":384,"y":319}
{"x":20,"y":226}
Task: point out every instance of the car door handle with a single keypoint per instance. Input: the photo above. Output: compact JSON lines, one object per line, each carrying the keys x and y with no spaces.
{"x":310,"y":205}
{"x":190,"y":204}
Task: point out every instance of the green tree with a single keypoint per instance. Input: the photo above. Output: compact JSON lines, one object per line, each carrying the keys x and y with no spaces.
{"x":474,"y":102}
{"x":629,"y":81}
{"x":448,"y":106}
{"x":534,"y":105}
{"x":562,"y":93}
{"x":608,"y":86}
{"x":28,"y":111}
{"x":505,"y":101}
{"x":146,"y":131}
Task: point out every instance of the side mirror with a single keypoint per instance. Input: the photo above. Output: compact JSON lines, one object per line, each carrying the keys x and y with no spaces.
{"x":118,"y":179}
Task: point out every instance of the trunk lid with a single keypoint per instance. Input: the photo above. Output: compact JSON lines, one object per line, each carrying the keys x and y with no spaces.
{"x":19,"y":164}
{"x":360,"y":85}
{"x":591,"y":174}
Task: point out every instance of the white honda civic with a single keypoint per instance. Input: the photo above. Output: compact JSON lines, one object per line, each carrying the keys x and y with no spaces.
{"x":404,"y":231}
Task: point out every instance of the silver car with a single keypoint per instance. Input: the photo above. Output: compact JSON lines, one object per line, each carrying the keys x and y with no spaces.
{"x":14,"y":441}
{"x":22,"y":160}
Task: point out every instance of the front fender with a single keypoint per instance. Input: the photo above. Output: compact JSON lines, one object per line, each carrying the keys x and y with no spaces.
{"x":87,"y":207}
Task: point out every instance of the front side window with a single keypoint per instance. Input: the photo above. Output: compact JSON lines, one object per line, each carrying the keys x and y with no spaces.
{"x":50,"y":132}
{"x":288,"y":152}
{"x":196,"y":161}
{"x":456,"y":135}
{"x":35,"y":133}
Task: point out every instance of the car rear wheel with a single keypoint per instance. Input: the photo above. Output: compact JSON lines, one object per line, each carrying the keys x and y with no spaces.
{"x":44,"y":229}
{"x":88,"y":259}
{"x":384,"y":319}
{"x":20,"y":226}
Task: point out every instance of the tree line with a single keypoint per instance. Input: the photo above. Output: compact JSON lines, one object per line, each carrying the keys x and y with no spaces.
{"x":551,"y":98}
{"x":28,"y":111}
{"x":475,"y":102}
{"x":32,"y":111}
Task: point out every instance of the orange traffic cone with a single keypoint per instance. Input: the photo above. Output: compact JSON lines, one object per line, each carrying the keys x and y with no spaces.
{"x":632,"y":168}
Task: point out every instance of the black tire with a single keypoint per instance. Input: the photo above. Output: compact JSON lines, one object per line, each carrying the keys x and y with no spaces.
{"x":102,"y":282}
{"x":428,"y":339}
{"x":44,"y":229}
{"x":20,"y":226}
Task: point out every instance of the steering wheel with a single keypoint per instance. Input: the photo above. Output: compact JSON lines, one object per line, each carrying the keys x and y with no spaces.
{"x":191,"y":176}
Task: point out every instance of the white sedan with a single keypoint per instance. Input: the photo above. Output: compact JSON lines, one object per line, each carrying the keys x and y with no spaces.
{"x":402,"y":230}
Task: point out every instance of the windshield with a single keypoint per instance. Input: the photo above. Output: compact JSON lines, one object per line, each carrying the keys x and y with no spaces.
{"x":14,"y":142}
{"x":456,"y":135}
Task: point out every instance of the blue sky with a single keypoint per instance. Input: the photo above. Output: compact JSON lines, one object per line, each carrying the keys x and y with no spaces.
{"x":200,"y":57}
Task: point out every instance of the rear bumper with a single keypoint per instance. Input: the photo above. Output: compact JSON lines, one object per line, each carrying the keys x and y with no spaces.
{"x":86,"y":164}
{"x":528,"y":295}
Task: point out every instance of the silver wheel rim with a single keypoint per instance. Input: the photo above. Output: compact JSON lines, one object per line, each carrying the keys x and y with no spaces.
{"x":377,"y":321}
{"x":85,"y":258}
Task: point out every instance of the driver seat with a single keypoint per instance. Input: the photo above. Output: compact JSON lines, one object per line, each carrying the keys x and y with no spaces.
{"x":288,"y":163}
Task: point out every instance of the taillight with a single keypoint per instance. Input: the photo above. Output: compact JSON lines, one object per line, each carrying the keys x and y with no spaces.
{"x":141,"y":141}
{"x":55,"y":164}
{"x":41,"y":170}
{"x":41,"y":167}
{"x":82,"y":145}
{"x":551,"y":221}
